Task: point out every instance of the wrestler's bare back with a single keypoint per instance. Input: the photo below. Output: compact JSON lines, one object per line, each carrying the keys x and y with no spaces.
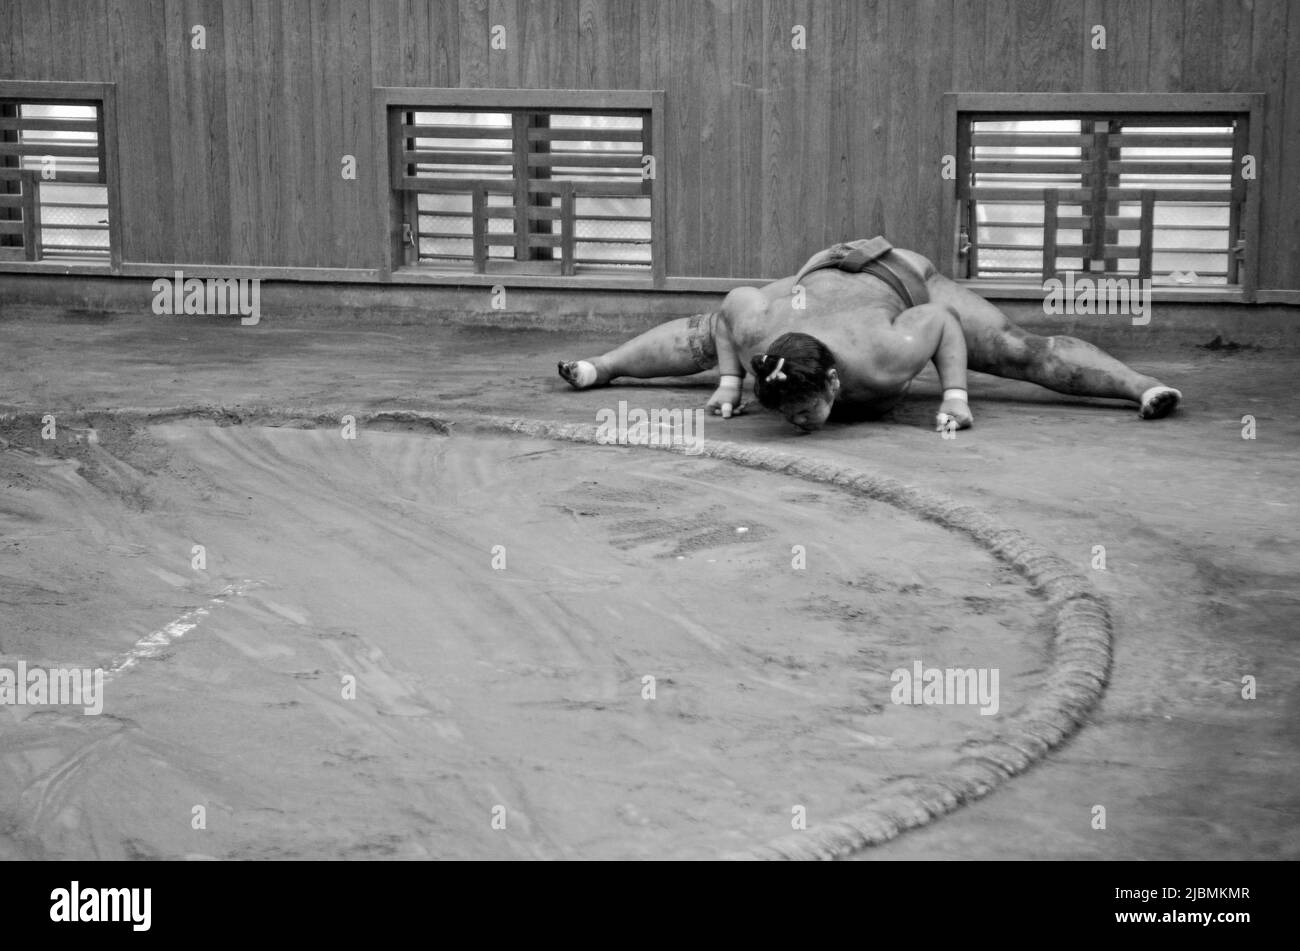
{"x":856,"y":315}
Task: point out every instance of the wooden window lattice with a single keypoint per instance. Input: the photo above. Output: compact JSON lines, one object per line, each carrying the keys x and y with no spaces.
{"x":549,"y":190}
{"x":53,"y":195}
{"x":1145,"y":196}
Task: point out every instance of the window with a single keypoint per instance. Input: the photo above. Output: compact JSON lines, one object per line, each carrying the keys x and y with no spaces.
{"x":53,"y":184}
{"x":1134,"y":192}
{"x":494,"y":182}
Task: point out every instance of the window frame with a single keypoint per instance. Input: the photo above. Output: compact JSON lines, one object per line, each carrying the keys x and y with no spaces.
{"x":955,"y":105}
{"x":389,"y":101}
{"x":105,"y":95}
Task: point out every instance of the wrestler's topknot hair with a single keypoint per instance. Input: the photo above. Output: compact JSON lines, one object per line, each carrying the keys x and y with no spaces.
{"x":793,"y":370}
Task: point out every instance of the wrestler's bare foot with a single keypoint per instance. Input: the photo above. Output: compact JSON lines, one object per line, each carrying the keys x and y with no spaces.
{"x":579,"y":374}
{"x":1159,"y":401}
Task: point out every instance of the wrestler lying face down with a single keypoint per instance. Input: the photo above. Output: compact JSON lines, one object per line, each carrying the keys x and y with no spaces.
{"x":845,"y":337}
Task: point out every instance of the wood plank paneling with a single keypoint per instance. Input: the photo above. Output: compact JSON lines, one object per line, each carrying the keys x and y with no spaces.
{"x":475,"y":33}
{"x":304,"y":166}
{"x":79,"y":29}
{"x":746,"y":131}
{"x":10,"y":41}
{"x":683,"y":84}
{"x":596,"y":46}
{"x":385,"y":52}
{"x":1269,"y":69}
{"x":780,"y":202}
{"x":444,"y":45}
{"x":1128,"y":27}
{"x":1051,"y":45}
{"x":268,"y":108}
{"x":212,"y":217}
{"x":505,"y":66}
{"x":1165,"y":72}
{"x":1097,"y":65}
{"x":232,"y":155}
{"x":246,"y":246}
{"x":198,"y":131}
{"x":1001,"y":47}
{"x":325,"y":162}
{"x":714,"y":84}
{"x":327,"y":91}
{"x":414,"y":59}
{"x":1236,"y":23}
{"x":839,"y":81}
{"x":1286,"y":232}
{"x":870,"y":132}
{"x":936,"y":19}
{"x":1203,"y":51}
{"x":901,"y":208}
{"x":40,"y":41}
{"x":808,"y":138}
{"x":654,"y":20}
{"x":969,"y":20}
{"x":144,"y":144}
{"x":548,"y":49}
{"x":626,"y":37}
{"x":358,"y":230}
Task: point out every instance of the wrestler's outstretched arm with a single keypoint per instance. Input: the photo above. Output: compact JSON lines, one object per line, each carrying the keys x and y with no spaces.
{"x":726,"y":399}
{"x":930,"y":333}
{"x":950,"y":360}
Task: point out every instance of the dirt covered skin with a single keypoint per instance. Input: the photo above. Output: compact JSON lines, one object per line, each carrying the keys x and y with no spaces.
{"x":397,"y":638}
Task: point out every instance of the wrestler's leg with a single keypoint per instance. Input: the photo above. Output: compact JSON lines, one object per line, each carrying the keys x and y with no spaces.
{"x":661,"y":351}
{"x":1064,"y":364}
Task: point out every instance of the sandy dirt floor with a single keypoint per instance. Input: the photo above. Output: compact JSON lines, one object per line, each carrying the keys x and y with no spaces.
{"x":325,"y":557}
{"x":519,"y":685}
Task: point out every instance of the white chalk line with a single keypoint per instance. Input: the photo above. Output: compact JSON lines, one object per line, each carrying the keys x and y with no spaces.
{"x":151,"y":645}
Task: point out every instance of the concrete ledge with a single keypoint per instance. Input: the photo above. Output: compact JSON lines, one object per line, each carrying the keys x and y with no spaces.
{"x":606,"y":311}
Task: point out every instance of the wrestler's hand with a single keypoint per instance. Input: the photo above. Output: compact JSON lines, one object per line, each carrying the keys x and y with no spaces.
{"x":957,"y":410}
{"x":726,"y":400}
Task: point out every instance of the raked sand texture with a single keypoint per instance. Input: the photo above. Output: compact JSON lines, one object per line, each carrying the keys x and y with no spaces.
{"x":478,"y":687}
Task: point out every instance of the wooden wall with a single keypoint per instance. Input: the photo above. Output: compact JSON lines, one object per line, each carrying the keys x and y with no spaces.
{"x":231,"y":155}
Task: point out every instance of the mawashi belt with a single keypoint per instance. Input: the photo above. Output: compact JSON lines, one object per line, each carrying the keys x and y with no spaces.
{"x":874,"y":256}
